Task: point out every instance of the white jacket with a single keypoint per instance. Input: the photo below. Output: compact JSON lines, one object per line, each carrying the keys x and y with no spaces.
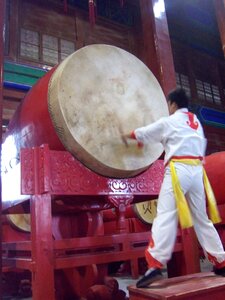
{"x":181,"y":134}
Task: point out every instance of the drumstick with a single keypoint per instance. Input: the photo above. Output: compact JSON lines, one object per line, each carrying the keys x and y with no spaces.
{"x":124,"y":140}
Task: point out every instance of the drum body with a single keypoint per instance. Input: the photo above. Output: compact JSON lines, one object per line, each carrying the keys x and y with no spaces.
{"x":215,"y":166}
{"x":84,"y":105}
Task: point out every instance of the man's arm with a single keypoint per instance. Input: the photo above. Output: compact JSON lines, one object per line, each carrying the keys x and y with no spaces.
{"x":130,"y":136}
{"x":151,"y":133}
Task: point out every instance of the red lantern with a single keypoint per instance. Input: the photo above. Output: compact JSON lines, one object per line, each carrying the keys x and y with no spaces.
{"x":92,"y":11}
{"x":65,"y":6}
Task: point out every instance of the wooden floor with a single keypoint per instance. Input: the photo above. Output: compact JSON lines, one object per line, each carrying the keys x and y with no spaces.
{"x":200,"y":286}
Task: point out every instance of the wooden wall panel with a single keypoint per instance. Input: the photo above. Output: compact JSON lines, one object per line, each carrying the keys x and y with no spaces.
{"x":74,"y":26}
{"x":179,"y":57}
{"x":46,"y":20}
{"x":13,"y":95}
{"x":198,"y":65}
{"x":11,"y":100}
{"x":13,"y":29}
{"x":109,"y":36}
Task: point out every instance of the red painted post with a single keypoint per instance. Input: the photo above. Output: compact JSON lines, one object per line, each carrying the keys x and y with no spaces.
{"x":41,"y":238}
{"x":157,"y":52}
{"x":2,"y":18}
{"x":42,"y":248}
{"x":220,"y":15}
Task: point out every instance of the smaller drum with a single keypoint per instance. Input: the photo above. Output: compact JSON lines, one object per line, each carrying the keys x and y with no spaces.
{"x":146,"y":211}
{"x":20,"y":221}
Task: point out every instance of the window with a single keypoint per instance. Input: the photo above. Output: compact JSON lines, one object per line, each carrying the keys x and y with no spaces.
{"x":29,"y":44}
{"x":44,"y":48}
{"x":183,"y":82}
{"x":208,"y":92}
{"x":67,"y":48}
{"x":50,"y":49}
{"x":216,"y":94}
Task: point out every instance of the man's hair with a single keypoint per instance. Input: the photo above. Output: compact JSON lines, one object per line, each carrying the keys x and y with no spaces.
{"x":179,"y":97}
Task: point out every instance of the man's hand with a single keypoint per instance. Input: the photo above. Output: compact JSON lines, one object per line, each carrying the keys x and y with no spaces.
{"x":130,"y":136}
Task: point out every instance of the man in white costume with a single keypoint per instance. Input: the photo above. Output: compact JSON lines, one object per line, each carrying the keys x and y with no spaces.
{"x":184,"y":143}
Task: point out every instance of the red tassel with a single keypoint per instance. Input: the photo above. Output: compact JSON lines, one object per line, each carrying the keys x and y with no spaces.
{"x":121,"y":3}
{"x":92,"y":12}
{"x":75,"y":24}
{"x":65,"y":6}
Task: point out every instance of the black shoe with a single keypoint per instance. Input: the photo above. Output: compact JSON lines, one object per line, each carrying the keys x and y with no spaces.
{"x":150,"y":276}
{"x":220,"y":271}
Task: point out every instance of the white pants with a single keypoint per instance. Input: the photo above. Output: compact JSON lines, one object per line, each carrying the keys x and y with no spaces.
{"x":164,"y":228}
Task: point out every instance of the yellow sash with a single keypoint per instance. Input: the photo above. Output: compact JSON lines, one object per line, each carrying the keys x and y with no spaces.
{"x":183,"y":210}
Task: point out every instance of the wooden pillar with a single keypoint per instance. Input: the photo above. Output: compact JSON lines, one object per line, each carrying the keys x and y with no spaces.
{"x":14,"y":28}
{"x":2,"y":18}
{"x":157,"y":52}
{"x":41,"y":237}
{"x":42,"y":248}
{"x":220,"y":15}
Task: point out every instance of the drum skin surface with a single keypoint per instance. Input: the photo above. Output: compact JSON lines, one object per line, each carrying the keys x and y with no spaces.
{"x":84,"y":105}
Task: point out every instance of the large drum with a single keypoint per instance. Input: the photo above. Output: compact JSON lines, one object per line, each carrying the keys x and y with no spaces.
{"x":85,"y":104}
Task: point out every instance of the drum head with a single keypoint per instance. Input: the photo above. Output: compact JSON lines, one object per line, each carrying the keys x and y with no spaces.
{"x":95,"y":95}
{"x":146,"y":211}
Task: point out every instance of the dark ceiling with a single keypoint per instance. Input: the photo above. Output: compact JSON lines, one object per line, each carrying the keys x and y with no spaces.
{"x":193,"y":22}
